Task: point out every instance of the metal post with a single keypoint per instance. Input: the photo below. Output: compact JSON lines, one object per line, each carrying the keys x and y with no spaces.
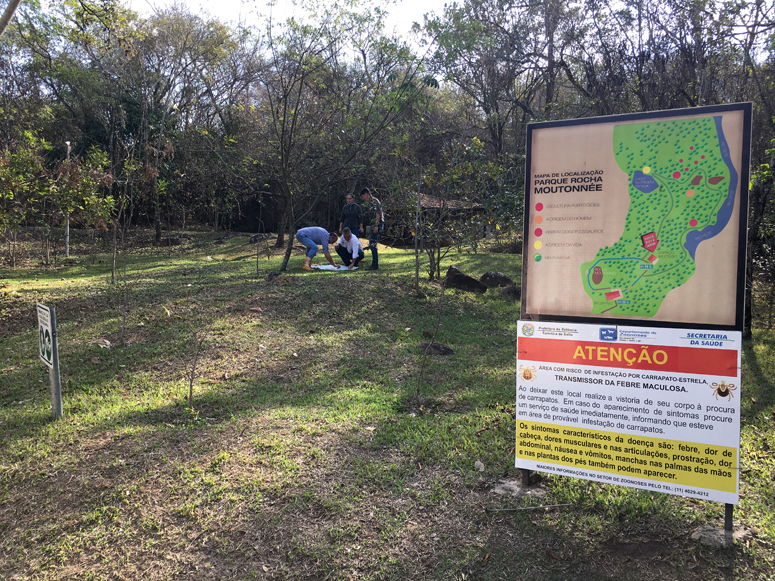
{"x":525,"y":477}
{"x":53,"y":372}
{"x":67,"y":214}
{"x":416,"y":241}
{"x":728,"y":511}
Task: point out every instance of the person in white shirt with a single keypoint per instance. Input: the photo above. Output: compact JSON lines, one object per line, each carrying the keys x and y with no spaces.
{"x":349,"y":249}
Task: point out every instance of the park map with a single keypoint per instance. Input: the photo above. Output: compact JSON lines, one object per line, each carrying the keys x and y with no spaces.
{"x":682,"y":186}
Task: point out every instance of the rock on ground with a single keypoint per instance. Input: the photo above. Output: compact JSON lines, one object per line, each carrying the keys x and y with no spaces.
{"x":516,"y":488}
{"x":436,"y":348}
{"x":513,"y":292}
{"x":716,"y":536}
{"x":456,"y":279}
{"x":492,"y":279}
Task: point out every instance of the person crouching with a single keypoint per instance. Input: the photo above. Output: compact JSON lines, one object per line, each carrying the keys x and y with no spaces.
{"x":311,"y":237}
{"x":349,"y":249}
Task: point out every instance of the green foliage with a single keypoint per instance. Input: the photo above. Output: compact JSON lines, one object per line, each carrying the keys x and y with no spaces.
{"x":31,"y":194}
{"x":81,"y":187}
{"x":24,"y":181}
{"x":454,"y":215}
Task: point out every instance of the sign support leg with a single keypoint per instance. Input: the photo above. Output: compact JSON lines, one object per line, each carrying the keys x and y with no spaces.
{"x":525,"y":477}
{"x":728,"y":510}
{"x":53,"y":372}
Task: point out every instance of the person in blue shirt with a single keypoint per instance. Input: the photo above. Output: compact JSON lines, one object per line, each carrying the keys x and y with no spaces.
{"x":311,"y":238}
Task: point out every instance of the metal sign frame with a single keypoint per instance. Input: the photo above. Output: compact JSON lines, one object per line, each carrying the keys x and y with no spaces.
{"x":48,"y":351}
{"x":534,"y":129}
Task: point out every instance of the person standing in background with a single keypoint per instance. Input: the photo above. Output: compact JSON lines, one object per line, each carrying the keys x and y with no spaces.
{"x":374,"y":219}
{"x":352,"y":217}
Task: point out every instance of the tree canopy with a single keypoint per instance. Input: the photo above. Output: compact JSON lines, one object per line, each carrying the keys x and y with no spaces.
{"x":266,"y":127}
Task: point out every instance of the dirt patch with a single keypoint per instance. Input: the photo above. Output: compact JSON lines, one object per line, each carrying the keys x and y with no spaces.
{"x":639,"y":549}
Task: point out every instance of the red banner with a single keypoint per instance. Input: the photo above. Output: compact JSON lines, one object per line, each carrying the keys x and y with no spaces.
{"x":631,"y":356}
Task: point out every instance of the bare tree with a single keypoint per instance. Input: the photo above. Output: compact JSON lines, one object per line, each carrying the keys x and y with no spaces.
{"x":325,"y":93}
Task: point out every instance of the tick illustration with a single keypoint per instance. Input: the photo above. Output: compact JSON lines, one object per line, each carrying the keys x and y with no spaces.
{"x":528,"y":373}
{"x":723,"y":389}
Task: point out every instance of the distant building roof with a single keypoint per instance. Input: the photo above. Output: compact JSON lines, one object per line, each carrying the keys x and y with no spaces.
{"x":427,"y":202}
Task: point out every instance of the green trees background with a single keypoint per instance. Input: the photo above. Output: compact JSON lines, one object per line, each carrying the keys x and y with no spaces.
{"x":178,"y":118}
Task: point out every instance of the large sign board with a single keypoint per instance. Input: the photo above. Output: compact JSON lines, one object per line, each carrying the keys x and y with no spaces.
{"x":650,"y":408}
{"x":638,"y":219}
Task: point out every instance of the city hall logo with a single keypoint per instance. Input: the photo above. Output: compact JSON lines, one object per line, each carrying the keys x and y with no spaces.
{"x":528,"y":330}
{"x":608,"y":334}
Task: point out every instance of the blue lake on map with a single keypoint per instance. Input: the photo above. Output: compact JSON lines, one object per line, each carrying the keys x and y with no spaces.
{"x":644,"y":183}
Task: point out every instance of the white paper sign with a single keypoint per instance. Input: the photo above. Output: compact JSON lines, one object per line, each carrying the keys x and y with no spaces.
{"x":45,"y":336}
{"x":650,"y":408}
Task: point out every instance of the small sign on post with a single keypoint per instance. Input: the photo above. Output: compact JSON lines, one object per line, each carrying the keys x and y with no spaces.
{"x":49,"y":354}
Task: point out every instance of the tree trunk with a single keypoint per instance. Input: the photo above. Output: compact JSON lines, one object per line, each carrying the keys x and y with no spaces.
{"x":288,"y":247}
{"x":748,"y":306}
{"x":8,"y":14}
{"x":551,"y":21}
{"x":280,"y":242}
{"x":116,"y":224}
{"x":290,"y":223}
{"x":115,"y":252}
{"x":431,"y":253}
{"x":157,"y":209}
{"x":416,"y":239}
{"x":156,"y":212}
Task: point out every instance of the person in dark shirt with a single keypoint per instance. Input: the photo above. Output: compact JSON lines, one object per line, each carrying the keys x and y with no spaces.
{"x":352,"y":217}
{"x":374,"y":219}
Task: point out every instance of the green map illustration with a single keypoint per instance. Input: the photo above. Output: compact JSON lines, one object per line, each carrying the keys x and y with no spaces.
{"x":682,"y":186}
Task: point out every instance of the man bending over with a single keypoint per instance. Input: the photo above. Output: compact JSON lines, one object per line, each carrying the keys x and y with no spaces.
{"x":311,"y":238}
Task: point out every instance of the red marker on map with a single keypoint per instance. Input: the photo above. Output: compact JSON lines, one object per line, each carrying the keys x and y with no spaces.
{"x":650,"y":241}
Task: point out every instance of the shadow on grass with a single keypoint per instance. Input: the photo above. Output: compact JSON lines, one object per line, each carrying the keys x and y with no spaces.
{"x":758,"y":391}
{"x":303,"y":498}
{"x":336,"y":308}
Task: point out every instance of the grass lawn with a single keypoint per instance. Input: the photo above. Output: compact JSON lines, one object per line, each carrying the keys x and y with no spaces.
{"x":311,"y":450}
